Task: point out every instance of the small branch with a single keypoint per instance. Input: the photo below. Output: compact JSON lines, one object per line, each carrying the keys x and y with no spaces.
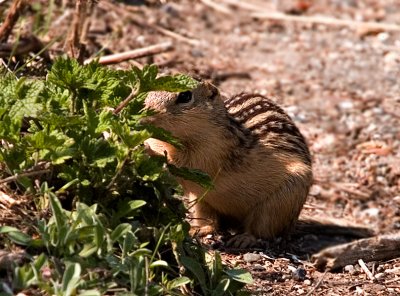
{"x":261,"y":13}
{"x":80,"y":25}
{"x":366,"y":270}
{"x":324,"y":20}
{"x":125,"y":102}
{"x":175,"y":35}
{"x":133,"y":54}
{"x":381,"y":247}
{"x":217,"y":7}
{"x":27,"y":174}
{"x":244,"y":5}
{"x":317,"y":284}
{"x":11,"y":19}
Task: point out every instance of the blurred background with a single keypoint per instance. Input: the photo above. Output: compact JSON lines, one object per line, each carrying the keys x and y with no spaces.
{"x":333,"y":64}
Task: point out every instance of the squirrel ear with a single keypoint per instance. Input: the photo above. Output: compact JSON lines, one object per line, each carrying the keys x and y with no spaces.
{"x":212,"y":91}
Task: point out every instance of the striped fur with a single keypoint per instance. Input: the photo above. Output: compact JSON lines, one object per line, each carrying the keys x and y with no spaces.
{"x":268,"y":123}
{"x":249,"y":146}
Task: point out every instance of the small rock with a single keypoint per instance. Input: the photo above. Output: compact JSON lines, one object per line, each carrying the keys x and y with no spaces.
{"x":346,"y":105}
{"x":371,"y":212}
{"x":299,"y":274}
{"x":349,"y":268}
{"x":286,"y":277}
{"x":307,"y":282}
{"x":300,"y":291}
{"x":251,"y":257}
{"x":379,"y":276}
{"x":258,"y":267}
{"x":383,"y":36}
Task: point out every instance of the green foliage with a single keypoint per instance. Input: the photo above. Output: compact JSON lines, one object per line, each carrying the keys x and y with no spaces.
{"x":115,"y":222}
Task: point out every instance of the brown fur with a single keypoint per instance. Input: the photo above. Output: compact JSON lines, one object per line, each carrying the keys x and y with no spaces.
{"x":258,"y":160}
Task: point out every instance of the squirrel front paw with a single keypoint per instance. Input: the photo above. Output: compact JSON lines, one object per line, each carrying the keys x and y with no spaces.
{"x":201,"y":230}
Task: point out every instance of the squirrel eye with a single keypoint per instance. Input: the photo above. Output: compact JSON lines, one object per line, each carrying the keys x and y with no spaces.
{"x":184,"y":97}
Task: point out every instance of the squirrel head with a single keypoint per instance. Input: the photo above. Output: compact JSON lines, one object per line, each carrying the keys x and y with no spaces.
{"x":185,"y":114}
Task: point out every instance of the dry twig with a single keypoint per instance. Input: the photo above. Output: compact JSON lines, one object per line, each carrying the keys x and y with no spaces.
{"x":329,"y":21}
{"x":27,"y":174}
{"x":11,"y":19}
{"x":261,"y":13}
{"x":217,"y":7}
{"x":133,"y":54}
{"x":80,"y":25}
{"x":366,"y":270}
{"x":317,"y":284}
{"x":125,"y":102}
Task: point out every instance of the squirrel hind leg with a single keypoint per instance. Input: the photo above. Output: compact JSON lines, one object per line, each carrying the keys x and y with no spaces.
{"x":273,"y":217}
{"x":204,"y":219}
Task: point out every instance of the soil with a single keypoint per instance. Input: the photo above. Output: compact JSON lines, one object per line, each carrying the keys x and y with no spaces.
{"x":341,"y":86}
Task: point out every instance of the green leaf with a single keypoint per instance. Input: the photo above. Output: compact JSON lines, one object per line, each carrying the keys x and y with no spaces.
{"x":176,"y":83}
{"x":180,"y":281}
{"x":194,"y":175}
{"x":6,"y":229}
{"x":239,"y":275}
{"x":159,"y":263}
{"x":19,"y":238}
{"x":58,"y":212}
{"x":88,"y":250}
{"x":196,"y":269}
{"x":222,"y":287}
{"x":16,"y":235}
{"x":90,"y":293}
{"x":127,"y":207}
{"x":216,"y":268}
{"x":119,"y":231}
{"x":71,"y":279}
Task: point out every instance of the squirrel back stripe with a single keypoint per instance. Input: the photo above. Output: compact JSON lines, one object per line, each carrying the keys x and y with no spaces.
{"x":268,"y":123}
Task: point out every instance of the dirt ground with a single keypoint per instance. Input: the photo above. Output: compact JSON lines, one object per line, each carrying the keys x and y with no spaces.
{"x":340,"y":84}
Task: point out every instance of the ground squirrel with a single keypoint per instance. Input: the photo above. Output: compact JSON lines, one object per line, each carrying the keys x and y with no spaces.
{"x":249,"y":146}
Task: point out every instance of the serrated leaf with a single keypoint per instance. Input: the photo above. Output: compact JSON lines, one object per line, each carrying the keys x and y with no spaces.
{"x":194,"y":175}
{"x":176,"y":83}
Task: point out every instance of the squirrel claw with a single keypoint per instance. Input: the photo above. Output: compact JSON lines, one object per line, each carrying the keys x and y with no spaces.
{"x":242,"y":241}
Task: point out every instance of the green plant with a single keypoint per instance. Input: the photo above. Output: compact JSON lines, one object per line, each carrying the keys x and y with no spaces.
{"x":70,"y":144}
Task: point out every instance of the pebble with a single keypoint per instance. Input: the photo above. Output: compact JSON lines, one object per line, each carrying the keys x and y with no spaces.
{"x":299,"y":274}
{"x":307,"y":282}
{"x":349,"y":268}
{"x":251,"y":257}
{"x":379,"y":276}
{"x":258,"y":267}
